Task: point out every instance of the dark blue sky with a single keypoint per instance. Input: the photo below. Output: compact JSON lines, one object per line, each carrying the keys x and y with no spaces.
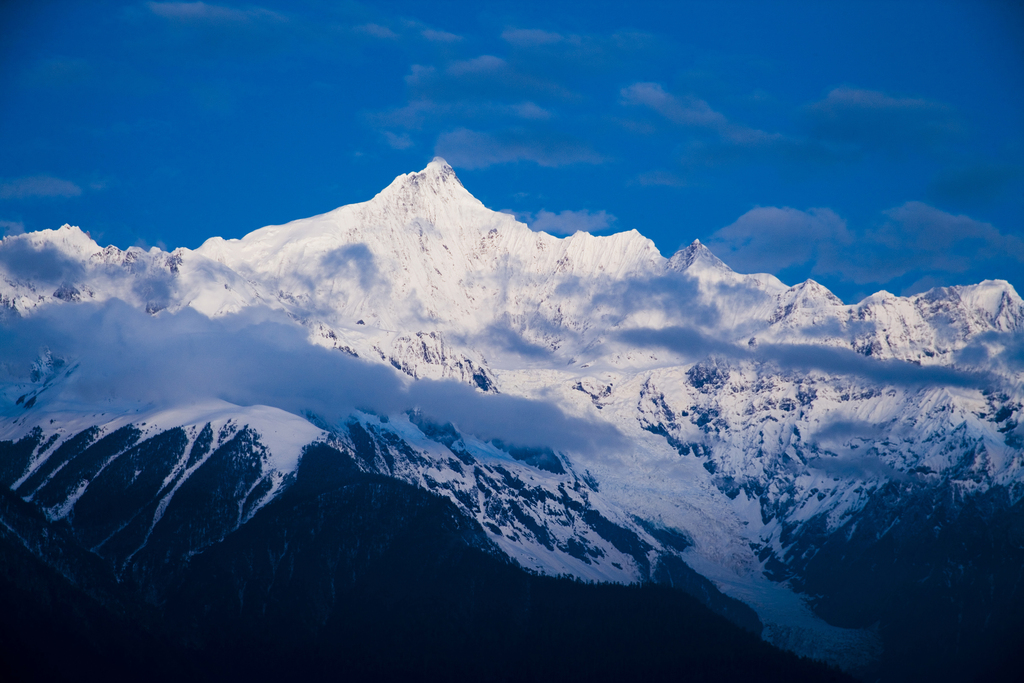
{"x":865,"y":145}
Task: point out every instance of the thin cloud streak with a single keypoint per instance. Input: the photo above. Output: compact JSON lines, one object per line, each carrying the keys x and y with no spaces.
{"x":440,"y":36}
{"x":692,"y":112}
{"x":871,"y":119}
{"x":471,"y":149}
{"x":200,"y":12}
{"x":806,"y":357}
{"x":38,"y":186}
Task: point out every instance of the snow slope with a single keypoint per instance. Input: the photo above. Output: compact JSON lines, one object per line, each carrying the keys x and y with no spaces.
{"x":751,"y":413}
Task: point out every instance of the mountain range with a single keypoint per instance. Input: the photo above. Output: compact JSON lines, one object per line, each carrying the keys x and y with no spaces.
{"x":420,"y":392}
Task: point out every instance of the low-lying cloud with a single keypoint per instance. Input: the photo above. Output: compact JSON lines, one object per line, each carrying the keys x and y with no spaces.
{"x":122,"y":357}
{"x":692,"y":343}
{"x":44,"y":263}
{"x":354,"y":261}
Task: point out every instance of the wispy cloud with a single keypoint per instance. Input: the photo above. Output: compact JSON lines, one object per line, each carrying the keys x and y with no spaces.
{"x":531,"y":37}
{"x":529,"y":110}
{"x":256,"y":358}
{"x":200,"y":12}
{"x":420,"y":74}
{"x":503,"y":336}
{"x":908,"y":239}
{"x":769,"y":239}
{"x":665,"y":178}
{"x":23,"y":259}
{"x":355,"y":261}
{"x":398,"y":140}
{"x":12,"y":227}
{"x":842,"y":127}
{"x":485,"y":76}
{"x":377,"y":31}
{"x":458,"y":96}
{"x":844,"y":99}
{"x":919,"y":237}
{"x":474,"y":149}
{"x":415,"y":114}
{"x":875,"y":120}
{"x":973,"y":184}
{"x":692,"y":343}
{"x":586,"y":50}
{"x":478,"y":65}
{"x":567,"y":222}
{"x":38,"y":186}
{"x":692,"y":112}
{"x":440,"y":36}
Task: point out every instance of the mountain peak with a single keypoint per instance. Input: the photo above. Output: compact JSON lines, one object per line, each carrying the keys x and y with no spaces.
{"x":436,"y":174}
{"x":807,"y":294}
{"x":695,"y":253}
{"x":439,"y":165}
{"x":435,"y":184}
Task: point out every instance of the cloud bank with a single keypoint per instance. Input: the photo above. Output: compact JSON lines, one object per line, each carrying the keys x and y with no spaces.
{"x":121,"y":357}
{"x":694,"y":344}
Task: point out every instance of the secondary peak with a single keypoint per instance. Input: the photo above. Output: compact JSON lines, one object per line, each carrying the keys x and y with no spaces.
{"x":695,"y":253}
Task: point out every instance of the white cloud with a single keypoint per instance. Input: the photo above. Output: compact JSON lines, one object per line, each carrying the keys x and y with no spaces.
{"x":126,"y":356}
{"x":38,"y":186}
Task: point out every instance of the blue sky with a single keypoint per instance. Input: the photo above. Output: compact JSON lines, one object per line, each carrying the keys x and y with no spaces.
{"x":864,"y":145}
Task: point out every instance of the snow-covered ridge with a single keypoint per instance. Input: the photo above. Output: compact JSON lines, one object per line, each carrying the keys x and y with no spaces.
{"x":730,"y":436}
{"x":425,"y":256}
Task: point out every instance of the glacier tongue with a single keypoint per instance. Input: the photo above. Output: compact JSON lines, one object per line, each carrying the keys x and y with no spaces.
{"x":758,"y":421}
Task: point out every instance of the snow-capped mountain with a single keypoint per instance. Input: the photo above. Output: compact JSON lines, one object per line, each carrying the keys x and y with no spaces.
{"x":601,"y":411}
